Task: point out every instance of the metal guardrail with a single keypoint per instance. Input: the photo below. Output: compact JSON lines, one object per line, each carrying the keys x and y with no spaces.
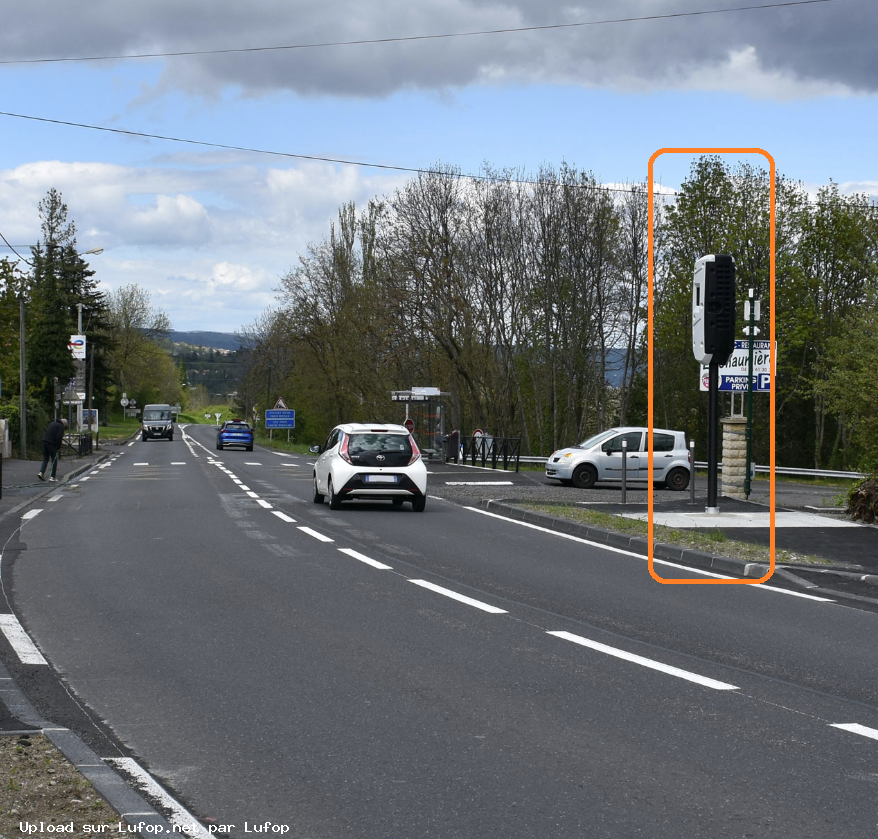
{"x":778,"y":470}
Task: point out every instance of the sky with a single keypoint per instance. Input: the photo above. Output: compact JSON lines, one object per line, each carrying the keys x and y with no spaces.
{"x":209,"y":231}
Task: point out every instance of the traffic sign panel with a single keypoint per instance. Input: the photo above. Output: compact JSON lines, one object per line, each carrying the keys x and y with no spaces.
{"x":280,"y":418}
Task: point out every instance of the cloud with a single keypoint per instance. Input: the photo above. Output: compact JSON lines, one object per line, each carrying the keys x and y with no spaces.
{"x":799,"y":51}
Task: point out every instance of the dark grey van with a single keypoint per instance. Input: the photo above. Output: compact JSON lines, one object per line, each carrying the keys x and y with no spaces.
{"x":157,"y":422}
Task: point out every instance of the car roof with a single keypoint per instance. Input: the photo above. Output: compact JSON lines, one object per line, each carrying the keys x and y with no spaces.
{"x":372,"y":427}
{"x":625,"y":428}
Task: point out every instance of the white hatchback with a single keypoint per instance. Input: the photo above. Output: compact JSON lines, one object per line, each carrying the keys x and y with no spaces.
{"x":370,"y":461}
{"x":600,"y":459}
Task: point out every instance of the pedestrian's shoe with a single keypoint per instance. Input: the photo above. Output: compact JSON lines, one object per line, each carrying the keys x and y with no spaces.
{"x":53,"y":480}
{"x":40,"y":476}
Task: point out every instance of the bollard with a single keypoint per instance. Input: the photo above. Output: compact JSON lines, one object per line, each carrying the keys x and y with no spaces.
{"x":624,"y":471}
{"x":691,"y":472}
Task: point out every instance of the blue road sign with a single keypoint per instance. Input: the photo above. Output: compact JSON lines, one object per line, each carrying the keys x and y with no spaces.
{"x":280,"y":418}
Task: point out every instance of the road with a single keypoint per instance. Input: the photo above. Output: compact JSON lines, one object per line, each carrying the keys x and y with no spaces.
{"x":375,"y":672}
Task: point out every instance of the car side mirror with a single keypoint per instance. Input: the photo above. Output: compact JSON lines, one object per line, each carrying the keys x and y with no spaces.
{"x":314,"y":449}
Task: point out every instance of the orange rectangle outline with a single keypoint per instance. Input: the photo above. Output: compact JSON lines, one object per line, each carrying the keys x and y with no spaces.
{"x":650,"y":281}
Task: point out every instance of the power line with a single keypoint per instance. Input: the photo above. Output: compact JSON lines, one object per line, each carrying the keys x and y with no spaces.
{"x":408,"y":38}
{"x":292,"y":155}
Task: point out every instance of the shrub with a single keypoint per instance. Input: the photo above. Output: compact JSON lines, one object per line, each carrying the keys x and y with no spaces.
{"x":863,"y":501}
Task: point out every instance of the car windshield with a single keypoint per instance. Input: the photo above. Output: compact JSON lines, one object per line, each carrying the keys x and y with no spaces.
{"x":379,"y":443}
{"x":237,"y":426}
{"x":155,"y":415}
{"x":593,"y":441}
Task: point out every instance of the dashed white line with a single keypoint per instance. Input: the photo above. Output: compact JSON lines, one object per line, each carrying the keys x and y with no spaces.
{"x":251,"y":493}
{"x":180,"y":816}
{"x":250,"y":463}
{"x":178,"y":463}
{"x":283,"y":516}
{"x":478,"y":483}
{"x":30,"y":514}
{"x":856,"y":728}
{"x":369,"y":561}
{"x":315,"y":534}
{"x":262,"y":503}
{"x":461,"y":598}
{"x":20,"y":641}
{"x":644,"y":662}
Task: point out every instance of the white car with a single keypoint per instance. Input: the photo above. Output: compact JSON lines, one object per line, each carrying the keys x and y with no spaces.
{"x":370,"y":461}
{"x":600,"y":459}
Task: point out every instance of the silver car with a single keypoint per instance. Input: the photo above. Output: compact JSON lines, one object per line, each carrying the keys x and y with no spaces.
{"x":600,"y":459}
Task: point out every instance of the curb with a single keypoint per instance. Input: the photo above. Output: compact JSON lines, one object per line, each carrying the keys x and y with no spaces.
{"x":687,"y":556}
{"x":107,"y":782}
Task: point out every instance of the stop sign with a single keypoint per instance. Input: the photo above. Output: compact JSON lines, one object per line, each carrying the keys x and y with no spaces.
{"x":409,"y":424}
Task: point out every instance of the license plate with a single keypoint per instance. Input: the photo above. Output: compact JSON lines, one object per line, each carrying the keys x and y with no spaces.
{"x":381,"y":479}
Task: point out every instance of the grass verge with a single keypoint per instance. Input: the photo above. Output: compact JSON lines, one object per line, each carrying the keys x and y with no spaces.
{"x":711,"y":541}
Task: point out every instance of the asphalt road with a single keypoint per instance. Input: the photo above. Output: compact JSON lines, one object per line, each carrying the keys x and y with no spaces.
{"x":375,"y":672}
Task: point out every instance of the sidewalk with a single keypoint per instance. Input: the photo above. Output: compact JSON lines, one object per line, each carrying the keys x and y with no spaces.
{"x":21,"y":486}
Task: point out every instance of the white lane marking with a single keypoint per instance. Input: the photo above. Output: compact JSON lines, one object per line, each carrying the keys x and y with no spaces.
{"x":178,"y":463}
{"x":244,"y":487}
{"x":282,"y":454}
{"x":645,"y":662}
{"x":373,"y":562}
{"x":251,"y":493}
{"x":462,"y":598}
{"x":86,"y":478}
{"x":478,"y":483}
{"x":57,"y":497}
{"x":250,"y":463}
{"x":131,"y":443}
{"x":572,"y":538}
{"x":30,"y":514}
{"x":856,"y":728}
{"x":140,"y":464}
{"x":262,"y":503}
{"x":283,"y":516}
{"x":289,"y":464}
{"x":180,"y":816}
{"x":315,"y":534}
{"x":20,"y":641}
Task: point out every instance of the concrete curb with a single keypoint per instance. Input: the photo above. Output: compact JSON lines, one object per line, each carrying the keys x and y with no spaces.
{"x":109,"y":784}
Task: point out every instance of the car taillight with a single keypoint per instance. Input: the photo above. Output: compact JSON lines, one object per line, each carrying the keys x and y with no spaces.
{"x":416,"y":452}
{"x":343,"y":449}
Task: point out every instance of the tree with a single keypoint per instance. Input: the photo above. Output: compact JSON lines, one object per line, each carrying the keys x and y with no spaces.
{"x":140,"y":366}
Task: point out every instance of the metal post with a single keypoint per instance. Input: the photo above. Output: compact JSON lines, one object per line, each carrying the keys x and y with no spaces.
{"x":22,"y":381}
{"x":712,"y":436}
{"x":749,"y":432}
{"x":624,"y":471}
{"x":692,"y":472}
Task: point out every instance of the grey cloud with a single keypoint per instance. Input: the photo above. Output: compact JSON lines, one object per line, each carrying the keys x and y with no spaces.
{"x":824,"y":44}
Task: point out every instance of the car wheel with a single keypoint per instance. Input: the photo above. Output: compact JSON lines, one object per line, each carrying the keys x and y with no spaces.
{"x":318,"y":497}
{"x":585,"y":476}
{"x":419,"y":503}
{"x":143,"y":439}
{"x":219,"y":446}
{"x":677,"y":479}
{"x":249,"y":448}
{"x":334,"y":500}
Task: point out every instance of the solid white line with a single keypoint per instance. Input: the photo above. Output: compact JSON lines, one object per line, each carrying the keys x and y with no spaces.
{"x":644,"y":662}
{"x":373,"y":562}
{"x":315,"y":534}
{"x":180,"y":816}
{"x":572,"y":538}
{"x":478,"y":483}
{"x":283,"y":516}
{"x":459,"y":597}
{"x":855,"y":728}
{"x":20,"y":641}
{"x":31,"y":514}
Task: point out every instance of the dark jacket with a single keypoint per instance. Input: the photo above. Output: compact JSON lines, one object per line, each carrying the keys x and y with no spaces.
{"x":54,"y":435}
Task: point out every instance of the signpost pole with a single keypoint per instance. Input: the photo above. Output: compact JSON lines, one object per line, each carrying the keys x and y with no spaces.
{"x":712,"y":436}
{"x":749,"y":432}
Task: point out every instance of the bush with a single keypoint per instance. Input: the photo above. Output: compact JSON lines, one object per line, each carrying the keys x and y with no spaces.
{"x":863,"y":501}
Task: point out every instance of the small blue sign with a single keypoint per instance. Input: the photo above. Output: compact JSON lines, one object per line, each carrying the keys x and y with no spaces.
{"x":280,"y":418}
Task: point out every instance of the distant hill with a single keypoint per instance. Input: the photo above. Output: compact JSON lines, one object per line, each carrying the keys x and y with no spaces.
{"x":213,"y":340}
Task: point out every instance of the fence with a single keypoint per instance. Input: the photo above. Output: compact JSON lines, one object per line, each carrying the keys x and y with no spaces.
{"x":480,"y":451}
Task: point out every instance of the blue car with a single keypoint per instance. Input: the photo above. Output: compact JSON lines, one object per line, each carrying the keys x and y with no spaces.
{"x":234,"y":432}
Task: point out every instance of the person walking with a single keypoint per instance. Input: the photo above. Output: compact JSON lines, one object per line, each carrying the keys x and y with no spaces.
{"x":52,"y":440}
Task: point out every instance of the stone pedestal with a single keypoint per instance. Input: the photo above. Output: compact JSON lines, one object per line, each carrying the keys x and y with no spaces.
{"x":734,"y":457}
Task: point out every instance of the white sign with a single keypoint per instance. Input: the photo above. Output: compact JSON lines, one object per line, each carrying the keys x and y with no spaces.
{"x":733,"y":374}
{"x":77,"y":346}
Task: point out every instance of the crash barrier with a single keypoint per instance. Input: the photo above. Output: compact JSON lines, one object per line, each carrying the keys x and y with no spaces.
{"x":503,"y":452}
